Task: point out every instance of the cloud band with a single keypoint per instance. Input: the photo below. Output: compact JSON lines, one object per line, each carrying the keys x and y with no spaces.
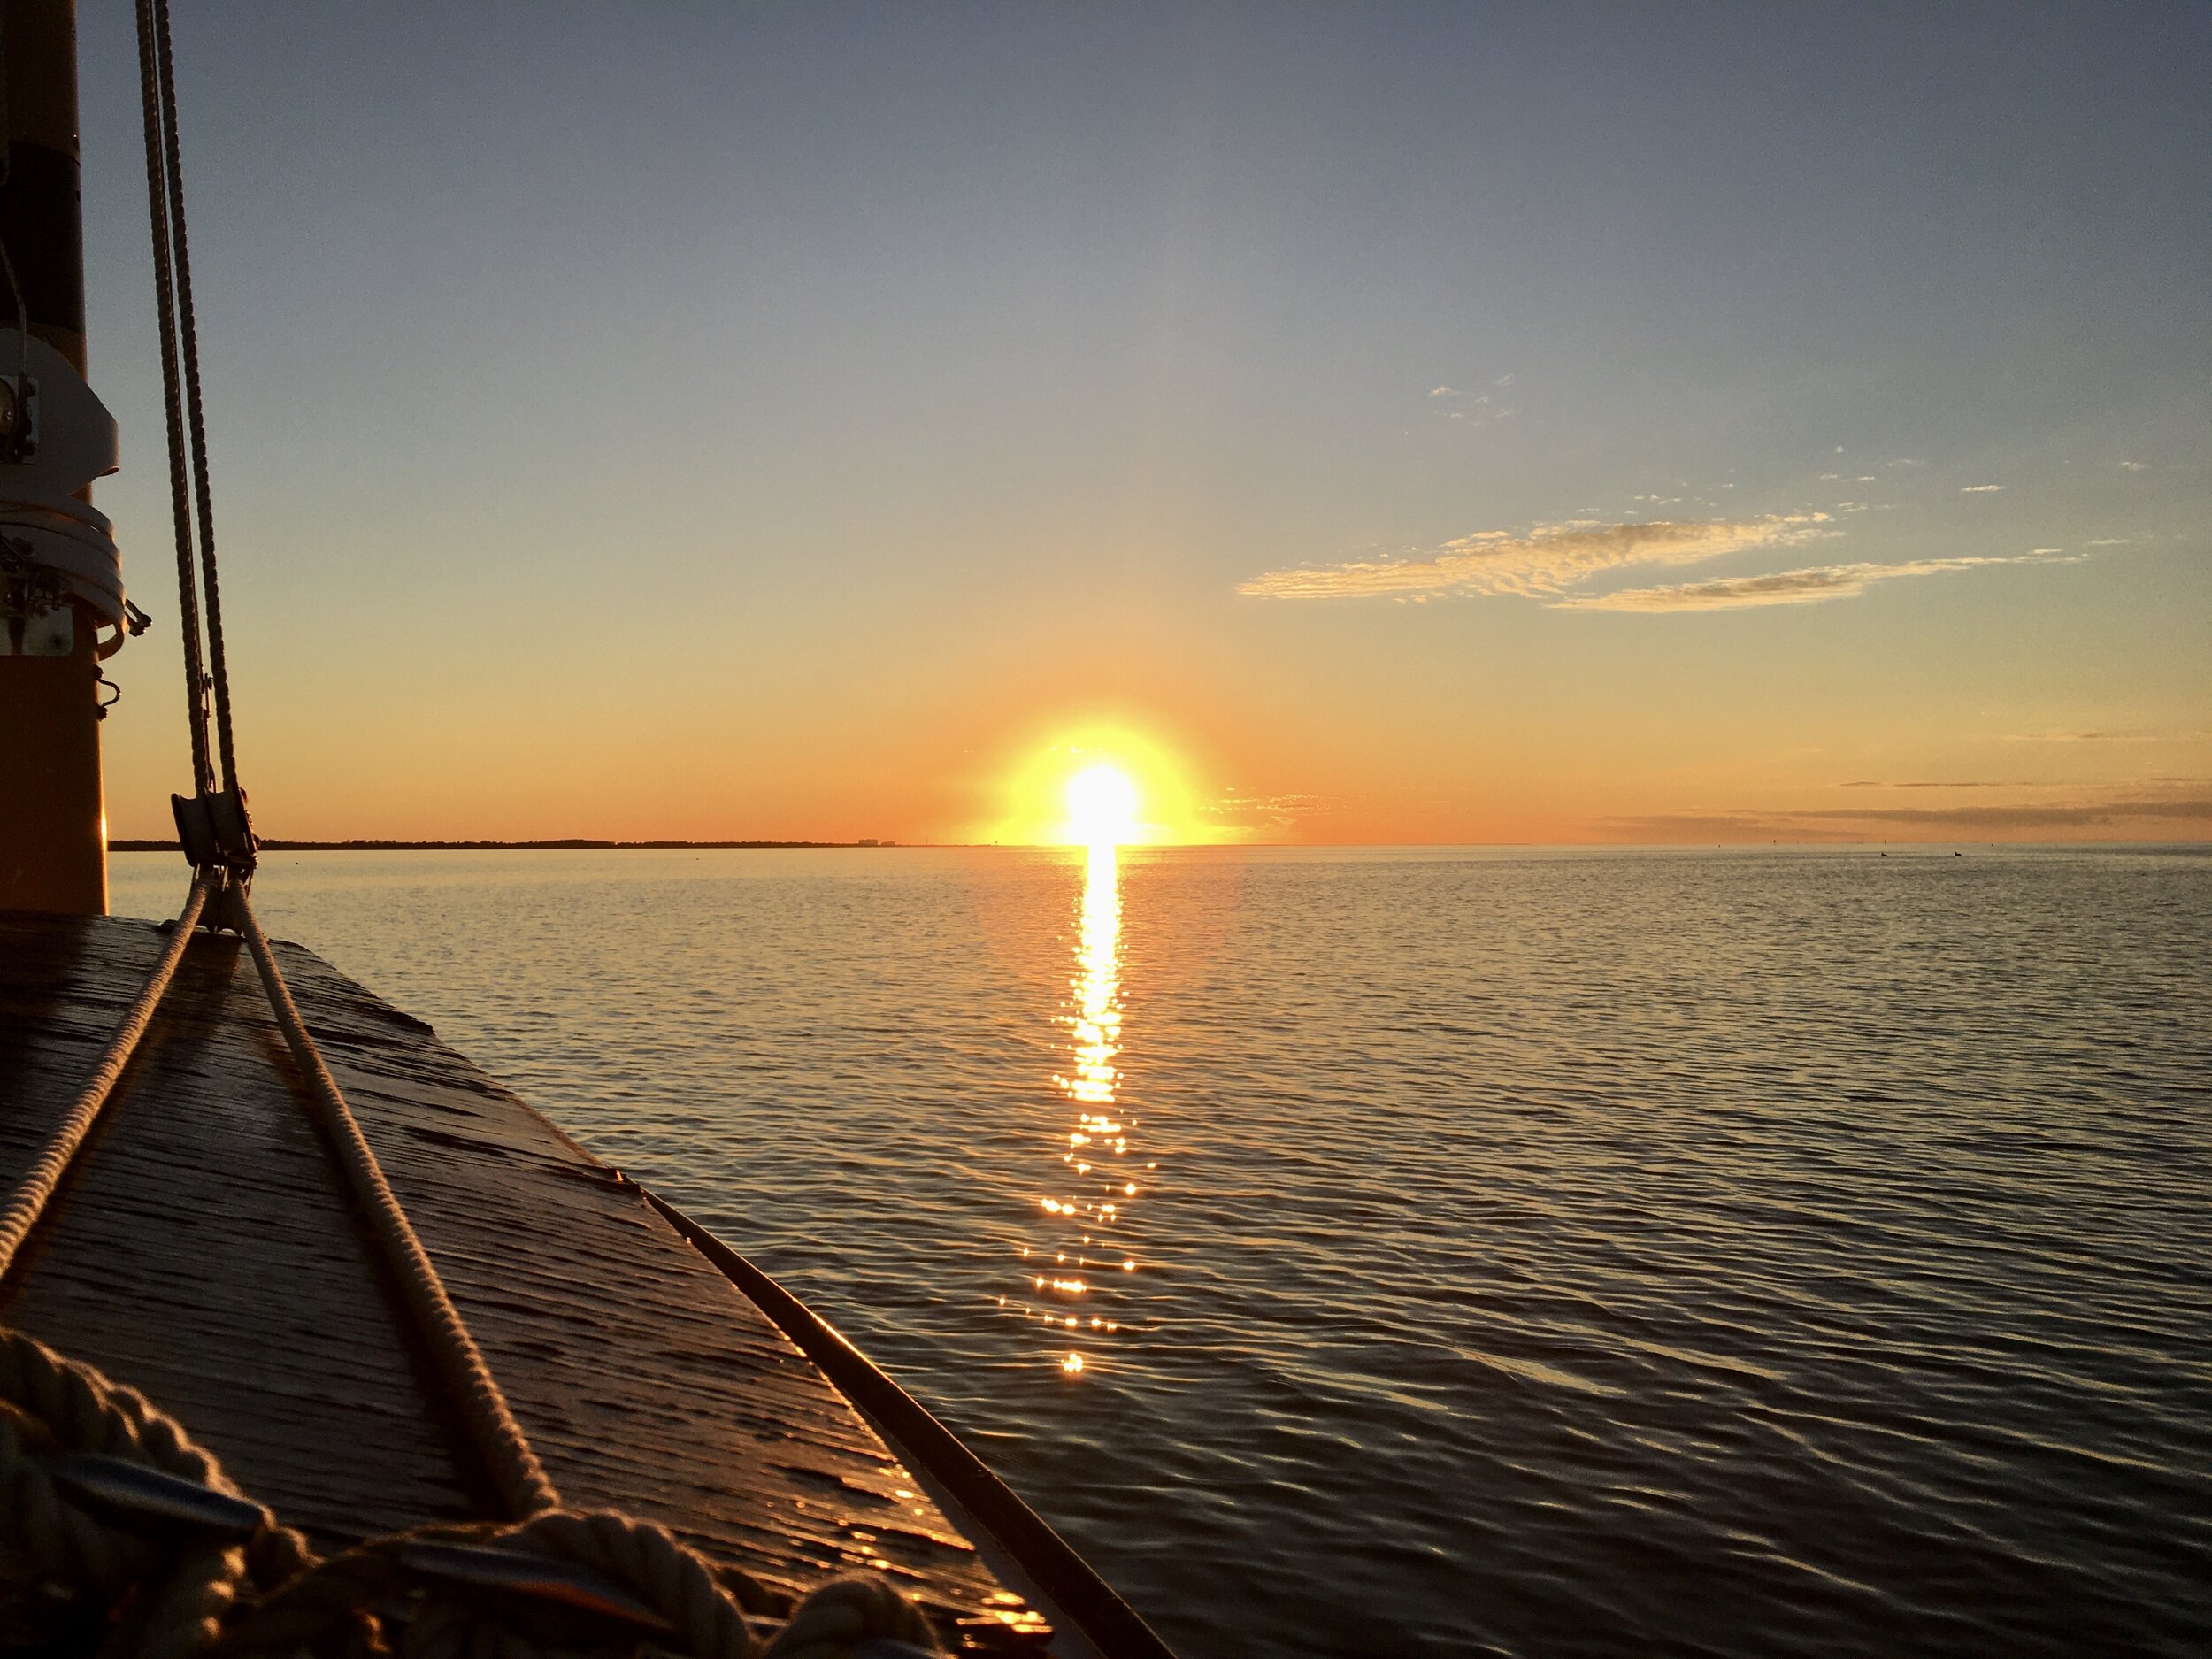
{"x":1548,"y":560}
{"x":1806,"y":586}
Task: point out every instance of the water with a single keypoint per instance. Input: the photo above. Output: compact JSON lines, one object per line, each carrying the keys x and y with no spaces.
{"x":1543,"y":1254}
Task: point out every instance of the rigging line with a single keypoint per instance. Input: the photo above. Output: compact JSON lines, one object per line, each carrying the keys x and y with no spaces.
{"x":189,"y":341}
{"x":24,"y":1206}
{"x":188,"y":584}
{"x":520,"y":1478}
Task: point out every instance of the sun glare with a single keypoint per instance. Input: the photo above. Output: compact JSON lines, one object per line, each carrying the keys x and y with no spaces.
{"x":1102,"y":805}
{"x":1101,"y":785}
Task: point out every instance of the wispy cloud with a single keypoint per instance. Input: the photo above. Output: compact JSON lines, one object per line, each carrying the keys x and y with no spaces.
{"x":1979,"y":489}
{"x":2137,"y":735}
{"x":1475,"y":409}
{"x":1547,"y":560}
{"x":1265,"y":811}
{"x":1806,"y":586}
{"x":2135,"y":466}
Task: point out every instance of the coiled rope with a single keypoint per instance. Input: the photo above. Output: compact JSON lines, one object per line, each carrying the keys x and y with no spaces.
{"x":171,"y":1587}
{"x":670,"y":1584}
{"x":163,"y":1583}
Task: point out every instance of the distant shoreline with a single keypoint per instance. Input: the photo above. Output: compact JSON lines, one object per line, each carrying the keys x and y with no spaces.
{"x":580,"y":844}
{"x":567,"y":846}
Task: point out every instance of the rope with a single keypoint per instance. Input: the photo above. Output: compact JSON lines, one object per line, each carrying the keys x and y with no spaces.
{"x":861,"y":1615}
{"x":848,"y":1614}
{"x":185,"y":1616}
{"x":520,"y":1480}
{"x":157,"y":210}
{"x":33,"y":1193}
{"x":174,"y":1595}
{"x":169,"y":1591}
{"x":453,"y":1618}
{"x":189,"y":343}
{"x":256,"y":1590}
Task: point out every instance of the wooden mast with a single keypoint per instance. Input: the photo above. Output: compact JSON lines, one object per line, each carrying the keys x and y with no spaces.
{"x":53,"y":824}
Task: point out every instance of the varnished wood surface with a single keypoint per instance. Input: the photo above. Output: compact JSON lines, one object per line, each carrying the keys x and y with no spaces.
{"x":202,"y":1252}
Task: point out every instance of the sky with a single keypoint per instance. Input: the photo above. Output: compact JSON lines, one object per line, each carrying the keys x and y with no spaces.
{"x":1374,"y":424}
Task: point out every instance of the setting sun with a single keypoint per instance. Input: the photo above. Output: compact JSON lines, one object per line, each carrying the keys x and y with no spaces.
{"x":1103,"y":804}
{"x":1102,"y":785}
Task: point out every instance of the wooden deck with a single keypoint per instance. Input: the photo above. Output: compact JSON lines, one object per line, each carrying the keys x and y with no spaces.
{"x":202,"y":1252}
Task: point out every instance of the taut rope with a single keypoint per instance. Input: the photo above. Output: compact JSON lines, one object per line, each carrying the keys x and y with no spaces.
{"x":188,"y":341}
{"x":36,"y":1189}
{"x":520,"y":1478}
{"x":152,"y":63}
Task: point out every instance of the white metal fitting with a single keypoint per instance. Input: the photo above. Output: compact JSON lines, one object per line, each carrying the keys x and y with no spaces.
{"x":59,"y":437}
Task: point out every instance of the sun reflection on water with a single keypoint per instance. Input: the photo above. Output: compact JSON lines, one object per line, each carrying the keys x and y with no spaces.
{"x":1097,"y":996}
{"x":1092,"y":1189}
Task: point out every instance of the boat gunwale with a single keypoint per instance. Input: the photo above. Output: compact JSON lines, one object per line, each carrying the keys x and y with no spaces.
{"x":1067,"y":1581}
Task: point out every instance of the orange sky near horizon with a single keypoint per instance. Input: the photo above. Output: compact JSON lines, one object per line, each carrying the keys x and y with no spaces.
{"x":888,"y":780}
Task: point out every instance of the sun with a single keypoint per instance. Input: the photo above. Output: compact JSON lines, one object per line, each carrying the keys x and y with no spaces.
{"x":1099,"y":783}
{"x":1101,"y":805}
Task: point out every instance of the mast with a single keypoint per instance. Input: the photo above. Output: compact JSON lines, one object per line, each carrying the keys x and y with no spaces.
{"x":57,"y":559}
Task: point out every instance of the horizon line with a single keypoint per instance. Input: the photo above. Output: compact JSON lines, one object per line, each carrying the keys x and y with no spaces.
{"x":139,"y":844}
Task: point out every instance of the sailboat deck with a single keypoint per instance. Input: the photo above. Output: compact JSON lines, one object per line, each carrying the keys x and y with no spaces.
{"x":202,"y":1251}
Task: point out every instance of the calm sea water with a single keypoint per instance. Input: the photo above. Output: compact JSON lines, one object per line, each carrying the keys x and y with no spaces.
{"x":1803,"y":1253}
